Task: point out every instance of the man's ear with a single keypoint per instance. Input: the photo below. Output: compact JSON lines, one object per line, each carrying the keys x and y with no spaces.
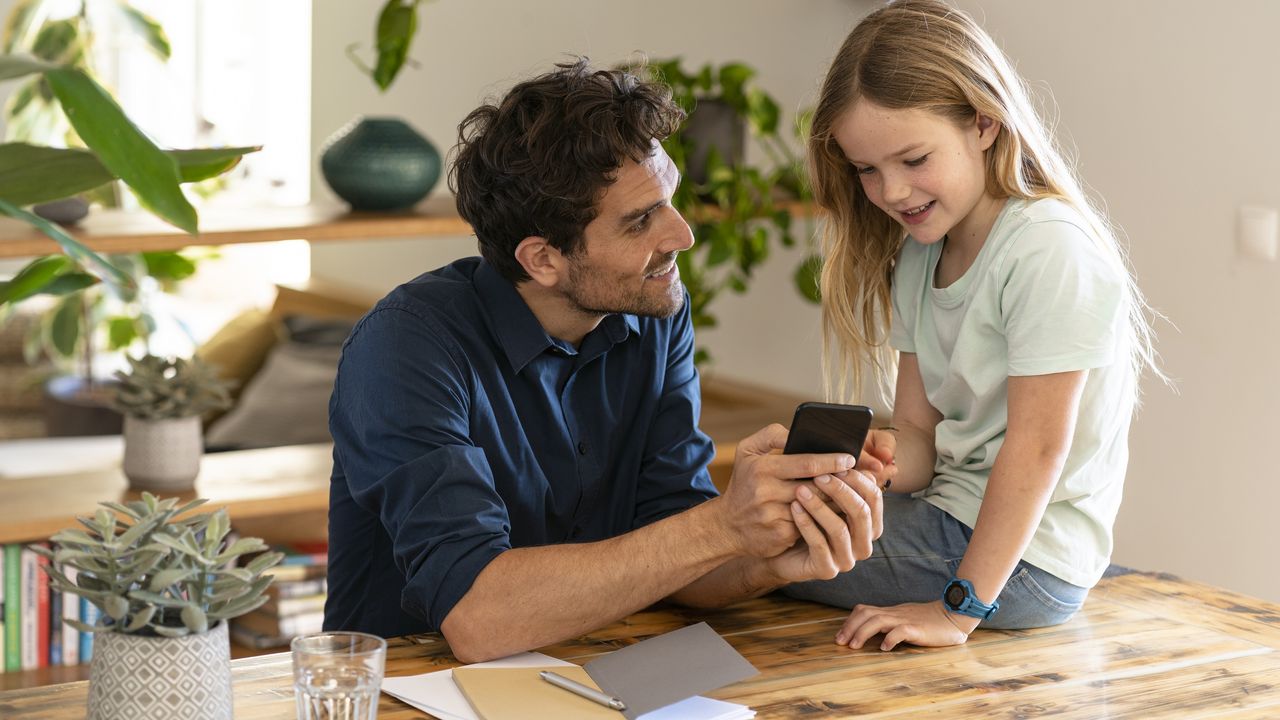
{"x":544,"y":264}
{"x":988,"y":129}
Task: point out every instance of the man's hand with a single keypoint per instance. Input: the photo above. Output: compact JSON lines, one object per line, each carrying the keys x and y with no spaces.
{"x":832,"y":541}
{"x":925,"y":624}
{"x":756,"y":506}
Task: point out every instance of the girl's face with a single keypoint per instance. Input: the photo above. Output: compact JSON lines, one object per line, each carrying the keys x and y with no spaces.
{"x":921,"y":168}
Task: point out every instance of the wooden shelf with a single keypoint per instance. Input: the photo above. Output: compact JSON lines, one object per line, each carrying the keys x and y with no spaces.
{"x":118,"y":231}
{"x":115,"y":231}
{"x":250,"y":484}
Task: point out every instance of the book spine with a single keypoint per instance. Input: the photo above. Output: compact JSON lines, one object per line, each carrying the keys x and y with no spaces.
{"x":13,"y":607}
{"x":55,"y":629}
{"x":30,"y":611}
{"x":296,"y":588}
{"x":43,"y":611}
{"x":2,"y":621}
{"x":89,"y":616}
{"x":70,"y":611}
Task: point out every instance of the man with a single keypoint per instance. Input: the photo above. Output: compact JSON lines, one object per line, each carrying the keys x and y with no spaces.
{"x":516,"y":452}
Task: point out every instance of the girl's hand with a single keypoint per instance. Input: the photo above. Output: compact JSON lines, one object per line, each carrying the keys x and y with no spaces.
{"x":925,"y":624}
{"x":877,"y":457}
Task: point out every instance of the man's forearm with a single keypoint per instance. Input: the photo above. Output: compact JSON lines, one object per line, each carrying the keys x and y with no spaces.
{"x":739,"y":579}
{"x":531,"y":597}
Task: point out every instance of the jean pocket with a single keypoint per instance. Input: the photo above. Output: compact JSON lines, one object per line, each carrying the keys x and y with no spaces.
{"x":1065,"y":602}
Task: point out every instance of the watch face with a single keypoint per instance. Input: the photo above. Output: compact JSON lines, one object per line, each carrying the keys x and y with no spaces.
{"x":955,"y":595}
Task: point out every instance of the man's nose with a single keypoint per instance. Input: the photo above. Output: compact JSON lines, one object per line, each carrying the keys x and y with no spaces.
{"x":679,"y":236}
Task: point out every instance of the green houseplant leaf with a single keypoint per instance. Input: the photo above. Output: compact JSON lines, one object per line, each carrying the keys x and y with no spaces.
{"x":170,"y":592}
{"x":397,"y":24}
{"x":31,"y":174}
{"x":122,"y":147}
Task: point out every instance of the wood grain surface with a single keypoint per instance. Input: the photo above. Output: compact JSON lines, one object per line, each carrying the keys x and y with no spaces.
{"x":1145,"y":646}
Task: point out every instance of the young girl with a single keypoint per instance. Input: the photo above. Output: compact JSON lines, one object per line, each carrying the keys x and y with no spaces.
{"x":958,"y":236}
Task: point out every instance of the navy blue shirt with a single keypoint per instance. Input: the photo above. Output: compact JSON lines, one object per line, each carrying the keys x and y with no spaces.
{"x":462,"y":430}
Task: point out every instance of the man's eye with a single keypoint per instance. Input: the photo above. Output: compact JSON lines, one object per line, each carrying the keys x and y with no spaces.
{"x":641,"y":224}
{"x":918,"y":161}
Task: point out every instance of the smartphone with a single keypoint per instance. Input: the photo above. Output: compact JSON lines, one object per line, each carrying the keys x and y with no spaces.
{"x":828,"y":428}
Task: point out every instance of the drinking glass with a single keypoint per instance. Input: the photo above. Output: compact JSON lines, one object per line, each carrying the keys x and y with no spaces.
{"x":337,"y":675}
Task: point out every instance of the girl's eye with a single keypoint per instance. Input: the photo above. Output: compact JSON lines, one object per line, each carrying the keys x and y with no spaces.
{"x":918,"y":161}
{"x":863,"y":170}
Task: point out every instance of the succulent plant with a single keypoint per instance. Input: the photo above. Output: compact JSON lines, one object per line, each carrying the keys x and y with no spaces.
{"x":161,"y":574}
{"x":157,"y":388}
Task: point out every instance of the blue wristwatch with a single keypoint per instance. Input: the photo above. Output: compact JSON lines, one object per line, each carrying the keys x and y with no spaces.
{"x":960,"y":598}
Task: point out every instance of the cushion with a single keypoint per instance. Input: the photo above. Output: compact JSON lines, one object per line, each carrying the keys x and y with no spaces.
{"x":240,"y":347}
{"x":287,"y":402}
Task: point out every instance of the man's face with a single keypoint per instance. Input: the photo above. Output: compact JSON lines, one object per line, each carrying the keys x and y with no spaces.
{"x":627,"y":263}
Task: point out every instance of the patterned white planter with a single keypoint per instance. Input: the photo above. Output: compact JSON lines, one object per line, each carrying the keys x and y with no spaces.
{"x":162,"y":455}
{"x":153,"y":678}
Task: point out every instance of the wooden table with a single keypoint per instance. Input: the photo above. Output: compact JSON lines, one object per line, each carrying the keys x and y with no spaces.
{"x":1145,"y":646}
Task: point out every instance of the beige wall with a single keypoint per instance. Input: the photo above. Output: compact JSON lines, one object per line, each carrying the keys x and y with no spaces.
{"x":1173,"y":110}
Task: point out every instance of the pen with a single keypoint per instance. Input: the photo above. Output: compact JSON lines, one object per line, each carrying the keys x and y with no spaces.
{"x":578,"y":688}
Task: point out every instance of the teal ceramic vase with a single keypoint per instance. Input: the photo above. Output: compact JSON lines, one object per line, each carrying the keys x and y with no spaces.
{"x":380,"y":164}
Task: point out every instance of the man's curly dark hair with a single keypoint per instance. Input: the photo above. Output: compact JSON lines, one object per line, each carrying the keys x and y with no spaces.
{"x":537,"y":161}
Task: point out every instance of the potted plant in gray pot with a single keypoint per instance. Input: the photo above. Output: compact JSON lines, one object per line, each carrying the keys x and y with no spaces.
{"x":166,"y":583}
{"x":162,"y":401}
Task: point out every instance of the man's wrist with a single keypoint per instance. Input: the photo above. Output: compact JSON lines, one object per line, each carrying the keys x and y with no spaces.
{"x":718,"y":526}
{"x":760,"y":575}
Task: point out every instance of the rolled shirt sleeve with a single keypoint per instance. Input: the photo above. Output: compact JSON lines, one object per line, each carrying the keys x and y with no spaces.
{"x":414,"y":463}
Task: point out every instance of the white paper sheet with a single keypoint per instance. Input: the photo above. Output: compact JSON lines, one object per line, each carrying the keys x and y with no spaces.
{"x":437,"y":694}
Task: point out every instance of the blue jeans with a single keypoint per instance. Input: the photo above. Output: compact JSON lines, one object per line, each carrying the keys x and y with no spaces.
{"x":917,"y":556}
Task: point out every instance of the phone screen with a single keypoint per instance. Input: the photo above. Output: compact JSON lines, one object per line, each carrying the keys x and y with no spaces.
{"x":828,"y":428}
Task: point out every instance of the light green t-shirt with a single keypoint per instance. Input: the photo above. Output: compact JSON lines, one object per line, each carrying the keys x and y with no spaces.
{"x":1043,"y":296}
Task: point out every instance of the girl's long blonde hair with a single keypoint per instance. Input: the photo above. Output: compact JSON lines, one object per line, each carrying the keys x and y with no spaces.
{"x":926,"y":55}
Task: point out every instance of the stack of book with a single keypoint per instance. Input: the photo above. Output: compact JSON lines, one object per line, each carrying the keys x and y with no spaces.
{"x":295,"y":601}
{"x":32,"y":632}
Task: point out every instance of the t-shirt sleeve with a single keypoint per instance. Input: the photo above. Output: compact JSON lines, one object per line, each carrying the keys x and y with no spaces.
{"x":399,"y":420}
{"x":1062,"y":301}
{"x":673,"y":475}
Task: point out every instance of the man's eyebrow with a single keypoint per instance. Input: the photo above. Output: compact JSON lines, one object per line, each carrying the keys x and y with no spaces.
{"x":900,"y":153}
{"x":635,"y":215}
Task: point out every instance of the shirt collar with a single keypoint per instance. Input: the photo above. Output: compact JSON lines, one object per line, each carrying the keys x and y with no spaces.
{"x":517,"y":329}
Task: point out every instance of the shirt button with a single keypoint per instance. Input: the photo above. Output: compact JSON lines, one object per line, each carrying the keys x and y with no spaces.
{"x":582,"y":448}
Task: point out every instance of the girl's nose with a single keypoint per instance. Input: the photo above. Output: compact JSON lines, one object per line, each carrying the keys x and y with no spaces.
{"x":895,"y":190}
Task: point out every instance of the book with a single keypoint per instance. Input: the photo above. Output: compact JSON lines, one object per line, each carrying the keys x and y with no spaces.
{"x":285,"y":573}
{"x":70,"y":611}
{"x":41,"y":581}
{"x":2,"y":584}
{"x":299,"y":605}
{"x":296,"y":588}
{"x":30,"y":609}
{"x":272,"y":625}
{"x":89,"y":614}
{"x":13,"y":607}
{"x":55,"y":629}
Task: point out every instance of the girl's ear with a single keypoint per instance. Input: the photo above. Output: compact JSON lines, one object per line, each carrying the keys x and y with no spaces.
{"x":544,"y":263}
{"x":988,"y":129}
